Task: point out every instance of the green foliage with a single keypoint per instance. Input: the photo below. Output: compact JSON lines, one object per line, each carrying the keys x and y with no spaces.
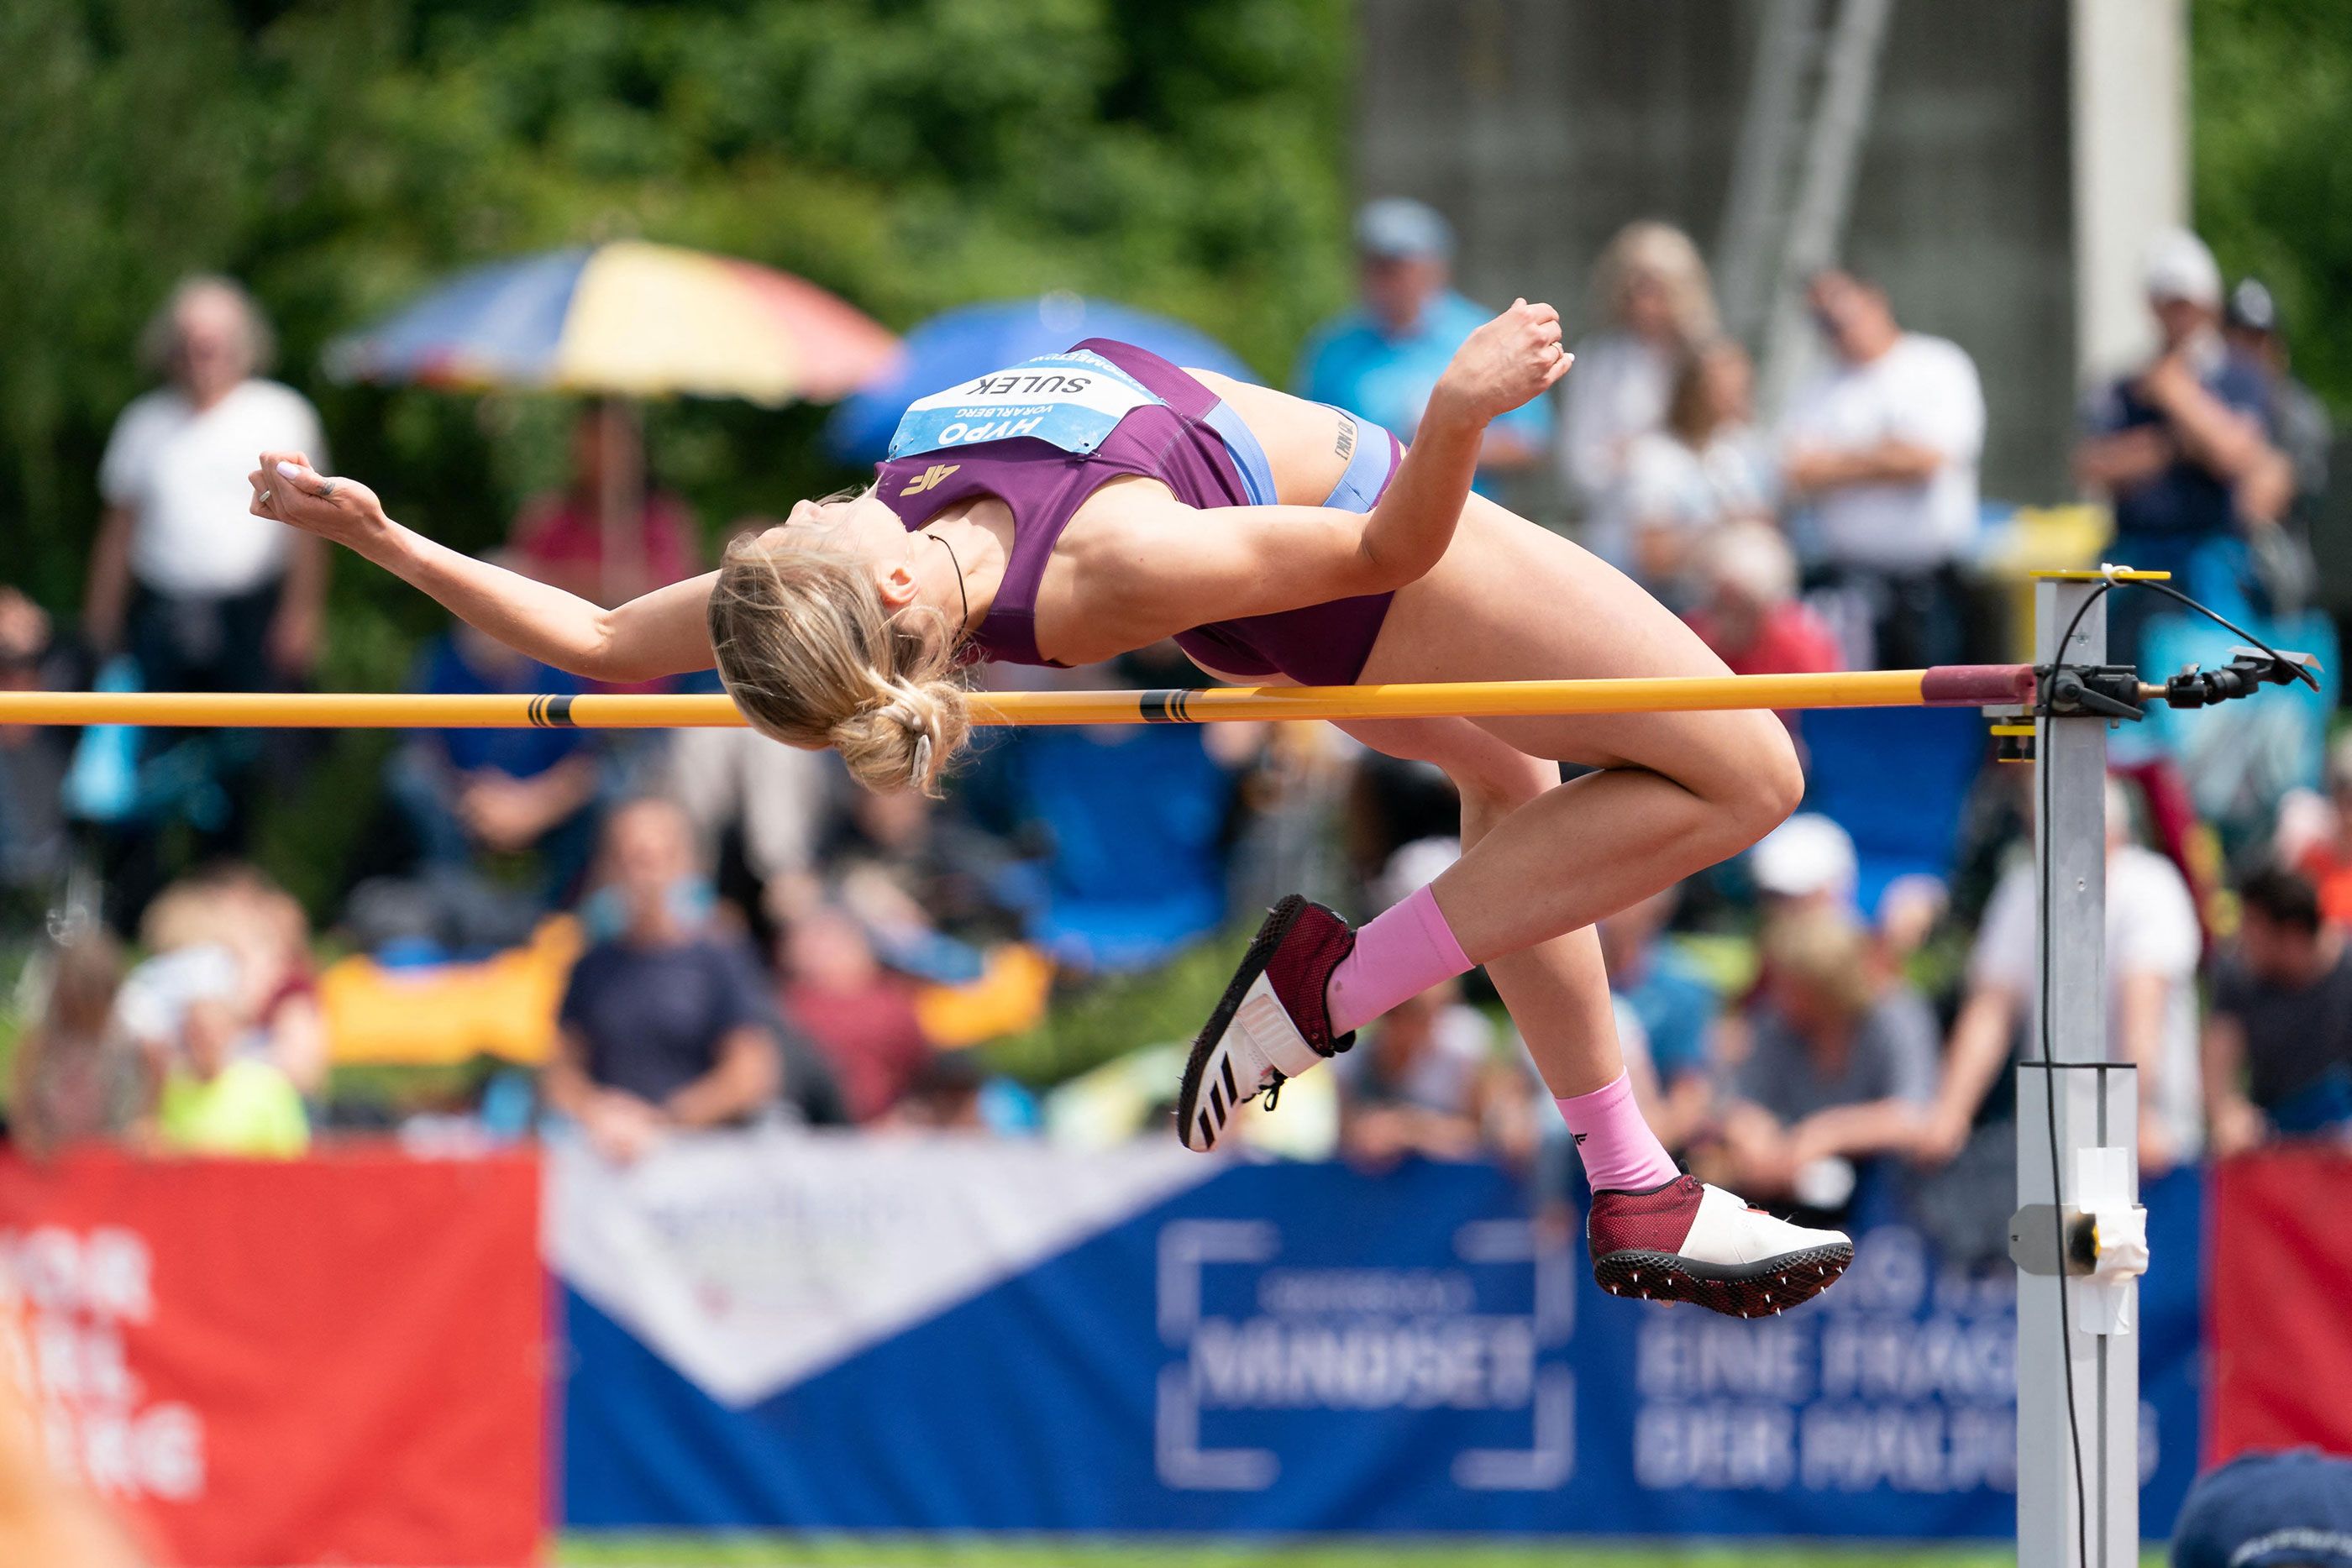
{"x":2272,"y":89}
{"x":1092,"y":1022}
{"x":909,"y":154}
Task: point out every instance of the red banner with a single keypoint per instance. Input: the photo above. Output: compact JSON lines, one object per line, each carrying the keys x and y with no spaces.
{"x":337,"y":1359}
{"x":2278,"y":1300}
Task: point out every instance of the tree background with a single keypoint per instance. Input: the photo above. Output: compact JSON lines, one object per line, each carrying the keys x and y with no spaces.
{"x":1182,"y":155}
{"x":2272,"y":91}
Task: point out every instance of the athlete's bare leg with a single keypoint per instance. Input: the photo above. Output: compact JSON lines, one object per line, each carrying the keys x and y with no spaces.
{"x":1556,"y":991}
{"x":1676,"y":793}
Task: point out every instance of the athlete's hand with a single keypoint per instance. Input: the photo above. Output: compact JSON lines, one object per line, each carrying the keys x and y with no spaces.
{"x":287,"y":489}
{"x":1510,"y":361}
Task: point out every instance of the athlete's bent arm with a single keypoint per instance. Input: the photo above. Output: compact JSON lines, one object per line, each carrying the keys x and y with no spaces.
{"x":665,"y":633}
{"x":1180,"y":568}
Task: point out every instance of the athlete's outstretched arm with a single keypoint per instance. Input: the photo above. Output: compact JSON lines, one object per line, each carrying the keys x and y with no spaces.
{"x":1184,"y":567}
{"x":665,"y":633}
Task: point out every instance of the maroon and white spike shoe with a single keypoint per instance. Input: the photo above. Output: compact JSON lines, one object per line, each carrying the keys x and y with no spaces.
{"x":1686,"y":1241}
{"x":1271,"y":1024}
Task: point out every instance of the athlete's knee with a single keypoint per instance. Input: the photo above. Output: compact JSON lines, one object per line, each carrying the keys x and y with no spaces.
{"x":1771,"y":780}
{"x":1497,"y":787}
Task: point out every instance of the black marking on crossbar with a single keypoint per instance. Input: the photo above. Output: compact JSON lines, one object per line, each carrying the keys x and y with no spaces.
{"x":1165,"y":704}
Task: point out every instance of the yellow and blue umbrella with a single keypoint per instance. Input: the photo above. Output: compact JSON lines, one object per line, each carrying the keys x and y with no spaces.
{"x":629,"y":320}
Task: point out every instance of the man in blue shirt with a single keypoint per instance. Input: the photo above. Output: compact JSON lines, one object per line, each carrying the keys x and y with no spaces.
{"x":465,"y":794}
{"x":1380,"y":359}
{"x":2178,"y":444}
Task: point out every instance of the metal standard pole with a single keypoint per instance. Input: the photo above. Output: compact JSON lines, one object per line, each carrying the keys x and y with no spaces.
{"x":2075,"y":1332}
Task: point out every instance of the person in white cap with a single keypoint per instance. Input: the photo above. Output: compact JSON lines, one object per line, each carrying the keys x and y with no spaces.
{"x":2173,"y":445}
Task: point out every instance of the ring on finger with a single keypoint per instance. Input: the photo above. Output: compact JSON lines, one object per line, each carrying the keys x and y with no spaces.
{"x":265,"y":497}
{"x":328,"y":492}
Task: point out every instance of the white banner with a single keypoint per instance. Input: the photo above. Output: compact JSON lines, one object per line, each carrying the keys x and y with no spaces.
{"x":750,"y":1260}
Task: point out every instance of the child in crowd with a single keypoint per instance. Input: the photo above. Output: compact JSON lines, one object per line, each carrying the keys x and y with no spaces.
{"x":79,"y":1079}
{"x":190,"y":1009}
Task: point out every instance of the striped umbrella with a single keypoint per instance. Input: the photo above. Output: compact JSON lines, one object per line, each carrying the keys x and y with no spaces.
{"x":628,"y":319}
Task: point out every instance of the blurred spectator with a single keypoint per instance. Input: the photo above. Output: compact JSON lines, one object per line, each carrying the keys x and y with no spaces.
{"x":189,"y":1008}
{"x":2315,"y":835}
{"x":1706,"y":467}
{"x":929,"y":888}
{"x":1383,"y":359}
{"x":2173,"y":444}
{"x":2298,"y":418}
{"x":1651,"y":294}
{"x":1806,"y":862}
{"x":761,"y":808}
{"x":78,"y":1076}
{"x":1749,"y":612}
{"x":204,"y":595}
{"x":858,"y":1014}
{"x":665,"y":1024}
{"x":948,"y":1094}
{"x":1091,"y":795}
{"x":467,"y":794}
{"x":2290,"y":1509}
{"x":235,"y":907}
{"x":1676,"y":1007}
{"x":561,"y":536}
{"x":34,"y":848}
{"x":2278,"y":1043}
{"x":2153,"y":944}
{"x":1882,"y":448}
{"x":1840,"y":1065}
{"x":1420,"y":1083}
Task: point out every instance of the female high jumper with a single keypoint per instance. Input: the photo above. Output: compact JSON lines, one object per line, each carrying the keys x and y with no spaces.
{"x":1089,"y":503}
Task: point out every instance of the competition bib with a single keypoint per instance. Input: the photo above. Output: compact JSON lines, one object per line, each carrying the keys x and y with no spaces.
{"x":1072,"y":401}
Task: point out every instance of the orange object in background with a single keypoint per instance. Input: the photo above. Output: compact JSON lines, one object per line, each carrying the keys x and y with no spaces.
{"x":2278,"y":1273}
{"x":440,"y":1014}
{"x":1015,"y":983}
{"x":340,"y":1359}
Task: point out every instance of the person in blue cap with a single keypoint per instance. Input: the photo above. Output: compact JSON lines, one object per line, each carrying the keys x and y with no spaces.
{"x":2290,"y":1509}
{"x":1381,"y":359}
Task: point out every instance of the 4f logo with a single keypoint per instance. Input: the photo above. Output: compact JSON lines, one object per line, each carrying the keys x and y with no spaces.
{"x":929,"y":478}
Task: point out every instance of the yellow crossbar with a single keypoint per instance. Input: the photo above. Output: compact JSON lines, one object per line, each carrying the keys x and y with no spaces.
{"x":1952,"y":686}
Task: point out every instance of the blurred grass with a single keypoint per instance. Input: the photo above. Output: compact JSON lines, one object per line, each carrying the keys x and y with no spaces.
{"x":618,"y":1551}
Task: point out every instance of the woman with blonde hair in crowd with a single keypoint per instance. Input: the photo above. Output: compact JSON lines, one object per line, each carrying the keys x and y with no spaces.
{"x":78,"y":1077}
{"x":1703,"y":469}
{"x":1655,"y":305}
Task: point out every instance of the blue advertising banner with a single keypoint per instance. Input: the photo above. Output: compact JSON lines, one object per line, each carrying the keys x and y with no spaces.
{"x":1213,"y":1347}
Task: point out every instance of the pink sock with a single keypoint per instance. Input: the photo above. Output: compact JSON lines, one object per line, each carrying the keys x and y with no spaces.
{"x":1400,"y":954}
{"x":1620,"y":1152}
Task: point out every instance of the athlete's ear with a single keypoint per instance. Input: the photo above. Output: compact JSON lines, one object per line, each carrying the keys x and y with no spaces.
{"x":895,"y":581}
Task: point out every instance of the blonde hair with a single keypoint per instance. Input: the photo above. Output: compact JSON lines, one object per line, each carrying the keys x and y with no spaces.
{"x":1828,"y":953}
{"x":811,"y":658}
{"x":1648,"y":248}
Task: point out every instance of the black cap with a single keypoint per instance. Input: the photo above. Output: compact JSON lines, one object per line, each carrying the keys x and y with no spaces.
{"x":2251,"y":307}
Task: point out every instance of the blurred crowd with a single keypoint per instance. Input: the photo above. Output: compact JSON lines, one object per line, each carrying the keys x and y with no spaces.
{"x":634,"y":937}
